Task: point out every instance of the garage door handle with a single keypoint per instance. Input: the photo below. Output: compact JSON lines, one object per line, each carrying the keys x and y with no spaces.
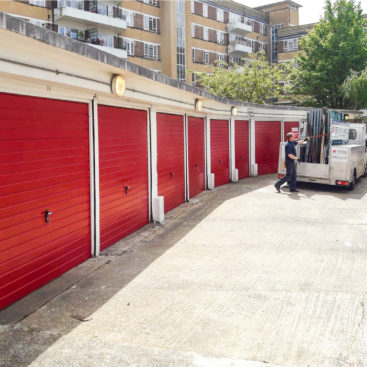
{"x":242,"y":157}
{"x":127,"y":188}
{"x":220,"y":161}
{"x":197,"y":167}
{"x":172,"y":174}
{"x":47,"y":216}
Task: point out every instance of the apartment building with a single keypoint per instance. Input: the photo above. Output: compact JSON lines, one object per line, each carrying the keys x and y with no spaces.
{"x":174,"y":37}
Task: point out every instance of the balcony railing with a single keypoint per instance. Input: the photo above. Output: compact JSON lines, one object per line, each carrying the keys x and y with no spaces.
{"x":107,"y":10}
{"x":239,"y":48}
{"x":239,"y":27}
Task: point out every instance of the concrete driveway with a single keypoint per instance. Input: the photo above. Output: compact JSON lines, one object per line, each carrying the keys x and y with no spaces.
{"x":241,"y":276}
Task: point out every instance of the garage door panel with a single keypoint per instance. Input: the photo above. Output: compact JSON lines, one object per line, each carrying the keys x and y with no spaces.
{"x":242,"y":149}
{"x":196,"y":155}
{"x":27,"y":218}
{"x":268,"y":135}
{"x":69,"y":262}
{"x":170,"y":165}
{"x":123,"y":162}
{"x":219,"y":144}
{"x":25,"y":267}
{"x":31,"y":240}
{"x":44,"y":159}
{"x":10,"y":202}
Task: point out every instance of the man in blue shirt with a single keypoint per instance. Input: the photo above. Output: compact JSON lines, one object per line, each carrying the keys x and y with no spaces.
{"x":290,"y":163}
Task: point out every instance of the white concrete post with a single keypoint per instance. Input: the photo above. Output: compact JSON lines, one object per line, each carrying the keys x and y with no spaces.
{"x":253,"y":165}
{"x":186,"y":158}
{"x":157,"y":201}
{"x":95,"y":204}
{"x":282,"y":130}
{"x":232,"y":150}
{"x":209,"y":174}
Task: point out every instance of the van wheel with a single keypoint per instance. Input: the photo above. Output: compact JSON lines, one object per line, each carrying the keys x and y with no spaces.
{"x":353,"y":183}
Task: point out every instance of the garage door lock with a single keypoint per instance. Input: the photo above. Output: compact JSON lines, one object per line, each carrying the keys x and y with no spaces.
{"x":127,"y":188}
{"x":47,"y":216}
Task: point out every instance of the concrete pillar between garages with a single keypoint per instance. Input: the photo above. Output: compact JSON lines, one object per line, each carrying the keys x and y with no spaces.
{"x":157,"y":201}
{"x":232,"y":148}
{"x":209,"y":174}
{"x":253,"y":165}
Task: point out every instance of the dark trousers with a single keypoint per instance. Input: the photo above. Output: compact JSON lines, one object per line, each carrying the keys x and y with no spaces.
{"x":290,"y":177}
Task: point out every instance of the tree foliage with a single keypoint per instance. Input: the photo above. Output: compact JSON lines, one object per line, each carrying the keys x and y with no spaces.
{"x":355,"y":89}
{"x":335,"y":48}
{"x":255,"y":81}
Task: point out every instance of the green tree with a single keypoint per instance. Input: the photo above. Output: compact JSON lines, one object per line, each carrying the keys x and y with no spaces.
{"x":255,"y":81}
{"x":335,"y":48}
{"x":355,"y":89}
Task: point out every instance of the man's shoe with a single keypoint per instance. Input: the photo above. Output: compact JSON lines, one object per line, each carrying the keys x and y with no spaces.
{"x":277,"y":188}
{"x":294,"y":190}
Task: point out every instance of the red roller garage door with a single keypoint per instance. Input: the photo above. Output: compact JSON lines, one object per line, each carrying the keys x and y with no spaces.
{"x":170,"y":165}
{"x":268,"y":134}
{"x":44,"y":165}
{"x":196,"y":148}
{"x":290,"y":127}
{"x":219,"y":146}
{"x":123,"y":165}
{"x":242,"y":149}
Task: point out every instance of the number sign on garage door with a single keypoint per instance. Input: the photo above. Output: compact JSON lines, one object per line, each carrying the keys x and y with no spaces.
{"x":124,"y":201}
{"x":268,"y":134}
{"x":170,"y":163}
{"x":44,"y":192}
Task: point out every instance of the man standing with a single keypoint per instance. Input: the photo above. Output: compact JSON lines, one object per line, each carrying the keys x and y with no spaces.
{"x":290,"y":163}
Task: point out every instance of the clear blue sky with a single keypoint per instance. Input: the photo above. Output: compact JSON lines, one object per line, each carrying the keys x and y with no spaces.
{"x":310,"y":13}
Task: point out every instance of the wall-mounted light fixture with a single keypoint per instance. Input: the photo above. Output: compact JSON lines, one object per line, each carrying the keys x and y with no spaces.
{"x":118,"y":85}
{"x":198,"y":105}
{"x":234,"y":111}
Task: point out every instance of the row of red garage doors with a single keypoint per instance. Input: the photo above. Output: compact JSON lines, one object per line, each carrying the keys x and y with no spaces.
{"x":45,"y":201}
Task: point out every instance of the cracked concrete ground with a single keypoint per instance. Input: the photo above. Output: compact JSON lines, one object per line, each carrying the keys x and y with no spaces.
{"x":241,"y":276}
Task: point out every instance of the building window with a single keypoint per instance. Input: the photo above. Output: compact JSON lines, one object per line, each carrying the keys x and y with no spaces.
{"x":181,"y":40}
{"x":193,"y":55}
{"x":130,"y":47}
{"x":263,"y":28}
{"x":150,"y":24}
{"x":129,"y":15}
{"x":205,"y":10}
{"x":206,"y":57}
{"x":205,"y":34}
{"x":193,"y":79}
{"x":291,"y":45}
{"x":221,"y":37}
{"x":220,"y":15}
{"x":150,"y":51}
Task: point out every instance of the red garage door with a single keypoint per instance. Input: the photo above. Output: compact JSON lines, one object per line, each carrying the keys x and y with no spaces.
{"x":242,"y":149}
{"x":268,"y":134}
{"x":196,"y":148}
{"x":219,"y":146}
{"x":170,"y":165}
{"x":44,"y":165}
{"x":123,"y":165}
{"x":290,"y":127}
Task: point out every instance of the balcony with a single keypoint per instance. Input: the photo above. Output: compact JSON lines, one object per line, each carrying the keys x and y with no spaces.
{"x":239,"y":28}
{"x":239,"y":49}
{"x":106,"y":15}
